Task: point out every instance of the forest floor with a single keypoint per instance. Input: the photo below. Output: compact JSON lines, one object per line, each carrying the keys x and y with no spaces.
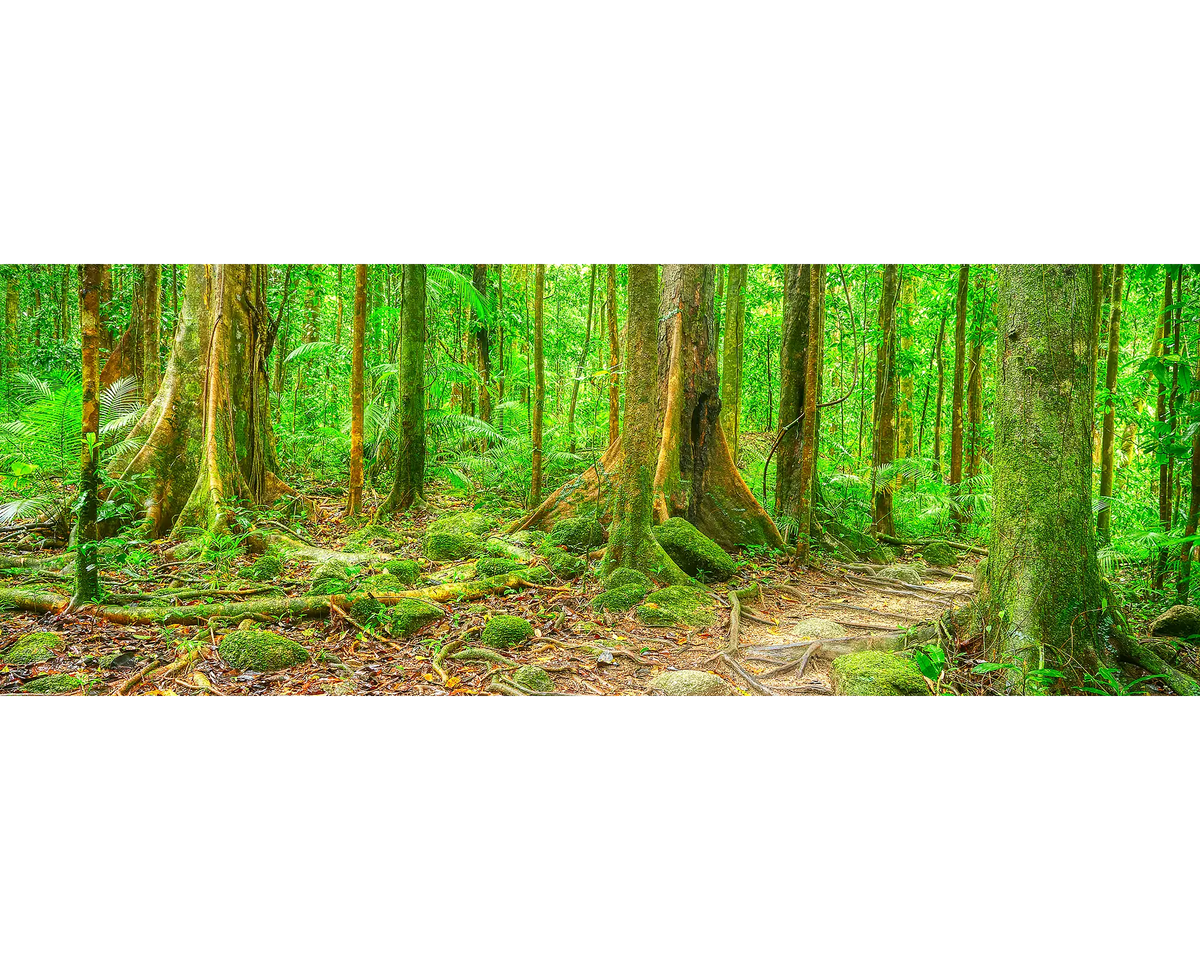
{"x":586,"y":652}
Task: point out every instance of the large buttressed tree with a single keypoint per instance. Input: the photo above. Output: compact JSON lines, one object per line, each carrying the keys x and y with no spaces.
{"x":205,"y":441}
{"x":694,"y":476}
{"x":1043,"y":590}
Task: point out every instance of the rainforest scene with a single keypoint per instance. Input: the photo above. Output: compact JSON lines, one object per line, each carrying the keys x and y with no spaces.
{"x":599,"y":479}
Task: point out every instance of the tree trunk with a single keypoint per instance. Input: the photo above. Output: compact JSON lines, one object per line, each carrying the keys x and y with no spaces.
{"x":148,"y":297}
{"x":87,"y":578}
{"x":1104,"y":517}
{"x":587,"y":341}
{"x":630,"y":542}
{"x":1042,"y":585}
{"x":539,"y":385}
{"x":106,"y":295}
{"x":884,"y":448}
{"x":483,"y":346}
{"x":974,"y":440}
{"x":806,"y":482}
{"x":354,"y":499}
{"x":12,"y":308}
{"x":614,"y":360}
{"x":904,"y":413}
{"x":409,"y":481}
{"x":940,"y":358}
{"x":956,"y":409}
{"x":1160,"y":416}
{"x":1193,"y":516}
{"x":793,"y":365}
{"x":731,"y":374}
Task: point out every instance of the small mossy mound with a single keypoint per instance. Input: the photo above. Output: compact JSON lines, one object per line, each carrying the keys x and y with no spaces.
{"x":330,"y":577}
{"x":534,"y":678}
{"x":627,"y":576}
{"x":693,"y":552}
{"x":409,"y":615}
{"x":1179,"y":621}
{"x":621,"y":598}
{"x":691,"y":683}
{"x":873,"y":673}
{"x":902,"y":572}
{"x":372,"y":535}
{"x":465,"y":521}
{"x":495,"y":566}
{"x":260,"y":650}
{"x":817,"y":628}
{"x":939,"y":553}
{"x":495,"y":547}
{"x":861,"y":546}
{"x":535,"y":573}
{"x":677,"y":606}
{"x":267,"y":568}
{"x":33,"y":648}
{"x":506,"y":631}
{"x":51,"y":683}
{"x":407,"y":572}
{"x":576,"y":534}
{"x":459,"y":545}
{"x":366,"y":609}
{"x":528,"y":538}
{"x":382,"y":583}
{"x":566,"y":566}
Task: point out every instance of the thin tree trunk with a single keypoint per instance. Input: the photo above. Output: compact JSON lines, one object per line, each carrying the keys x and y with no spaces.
{"x":1164,"y":471}
{"x":150,"y":299}
{"x":806,"y":482}
{"x":539,"y":385}
{"x":354,"y":500}
{"x":587,"y":342}
{"x":974,"y":441}
{"x":483,"y":346}
{"x":337,"y":333}
{"x":940,"y":357}
{"x":409,"y":479}
{"x":731,"y":374}
{"x":793,"y":366}
{"x":614,"y":360}
{"x":1104,"y":517}
{"x":87,"y":578}
{"x":884,"y":449}
{"x":956,"y":409}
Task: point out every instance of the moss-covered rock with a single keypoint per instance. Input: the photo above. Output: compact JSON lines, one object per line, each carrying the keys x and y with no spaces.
{"x":938,"y":553}
{"x":382,"y":583}
{"x":873,"y":673}
{"x":457,"y":545}
{"x":528,"y":538}
{"x":1179,"y":621}
{"x":576,"y":534}
{"x":33,"y":648}
{"x":621,"y":598}
{"x":267,"y":568}
{"x":566,"y":566}
{"x":372,"y":535}
{"x":627,"y":576}
{"x":463,"y":521}
{"x":693,"y":552}
{"x":494,"y":566}
{"x":407,"y":572}
{"x":817,"y":628}
{"x":331,"y":577}
{"x":502,"y":549}
{"x":407,"y":616}
{"x":677,"y":606}
{"x":535,"y":678}
{"x":691,"y":683}
{"x":366,"y":608}
{"x":902,"y":572}
{"x":260,"y":650}
{"x":52,"y":683}
{"x":506,"y":631}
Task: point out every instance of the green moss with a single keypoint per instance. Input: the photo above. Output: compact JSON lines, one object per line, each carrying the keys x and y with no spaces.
{"x":902,"y":572}
{"x":565,"y":565}
{"x":873,"y":673}
{"x":382,"y":583}
{"x":622,"y":598}
{"x":33,"y":648}
{"x":459,"y":545}
{"x":466,"y":521}
{"x":693,"y":552}
{"x":494,"y":566}
{"x":505,"y":631}
{"x":267,"y":568}
{"x":365,"y":609}
{"x":677,"y":606}
{"x":535,"y":678}
{"x":528,"y":538}
{"x":330,"y":577}
{"x":407,"y":572}
{"x":939,"y":554}
{"x":576,"y":534}
{"x":260,"y":650}
{"x":495,"y":547}
{"x":371,"y":535}
{"x":52,"y":683}
{"x":625,"y":577}
{"x":409,"y":615}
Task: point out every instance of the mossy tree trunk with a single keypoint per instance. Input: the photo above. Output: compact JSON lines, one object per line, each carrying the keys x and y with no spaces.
{"x":1160,"y":416}
{"x":793,"y":366}
{"x":148,"y":300}
{"x":884,"y":447}
{"x":630,"y":542}
{"x":355,"y":493}
{"x":579,"y":368}
{"x":1042,"y":590}
{"x":1108,"y":437}
{"x":731,"y":371}
{"x":614,"y":359}
{"x":956,"y":404}
{"x":483,"y":344}
{"x":806,"y":482}
{"x":409,"y":479}
{"x":87,"y":578}
{"x":539,"y":384}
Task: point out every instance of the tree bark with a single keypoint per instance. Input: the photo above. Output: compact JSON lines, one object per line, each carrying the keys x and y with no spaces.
{"x":1042,"y":587}
{"x":793,"y":365}
{"x":806,"y":482}
{"x":587,"y":342}
{"x":956,"y":408}
{"x":731,"y":374}
{"x":539,"y":385}
{"x":1160,"y":416}
{"x":884,"y":448}
{"x":974,"y":439}
{"x":1107,"y":442}
{"x":483,"y":356}
{"x":87,"y":578}
{"x":904,"y":412}
{"x":354,"y":498}
{"x":409,"y":480}
{"x":148,"y":297}
{"x":614,"y":360}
